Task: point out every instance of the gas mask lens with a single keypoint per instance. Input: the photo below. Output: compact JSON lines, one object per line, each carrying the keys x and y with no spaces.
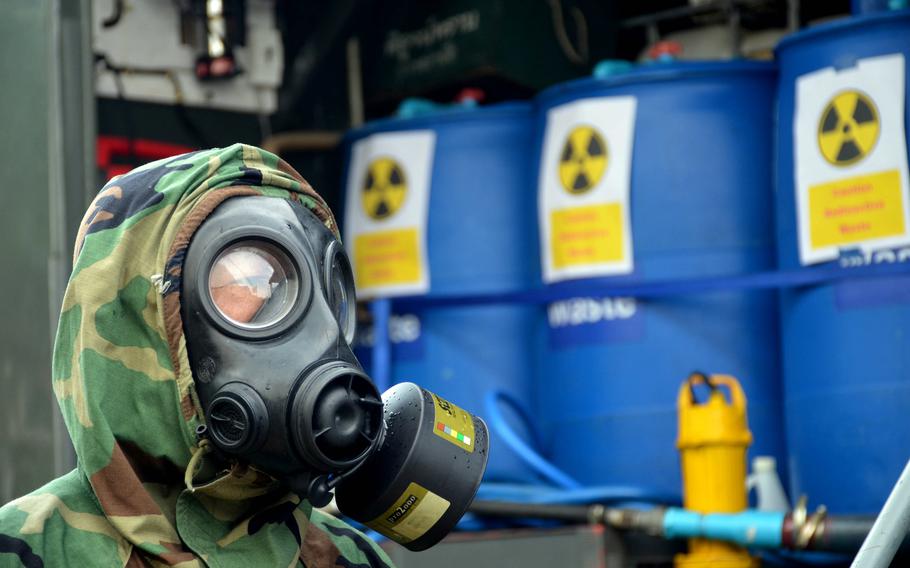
{"x":253,"y":284}
{"x":340,"y":290}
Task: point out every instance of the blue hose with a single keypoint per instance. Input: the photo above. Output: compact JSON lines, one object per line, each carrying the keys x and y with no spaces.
{"x":567,"y":490}
{"x":626,"y":494}
{"x":505,"y":432}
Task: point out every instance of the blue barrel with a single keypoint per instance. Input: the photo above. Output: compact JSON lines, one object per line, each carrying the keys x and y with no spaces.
{"x":700,"y":206}
{"x":870,"y":6}
{"x":846,"y":345}
{"x":481,"y":239}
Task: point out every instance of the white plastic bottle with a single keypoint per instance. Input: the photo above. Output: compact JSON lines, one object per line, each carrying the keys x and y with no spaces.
{"x":769,"y":491}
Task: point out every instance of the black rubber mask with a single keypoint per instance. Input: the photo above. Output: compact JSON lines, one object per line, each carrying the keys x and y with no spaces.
{"x":269,"y":311}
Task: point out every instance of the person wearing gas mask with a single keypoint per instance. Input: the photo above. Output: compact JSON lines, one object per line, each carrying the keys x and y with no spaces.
{"x":203,"y":368}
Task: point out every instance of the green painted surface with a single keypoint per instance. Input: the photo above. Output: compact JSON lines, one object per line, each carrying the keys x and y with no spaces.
{"x":26,"y":401}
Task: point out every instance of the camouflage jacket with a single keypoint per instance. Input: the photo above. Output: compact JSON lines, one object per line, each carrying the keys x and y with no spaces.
{"x":123,"y":381}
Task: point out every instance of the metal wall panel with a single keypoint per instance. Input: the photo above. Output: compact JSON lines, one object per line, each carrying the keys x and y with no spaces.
{"x":583,"y":547}
{"x":45,"y":156}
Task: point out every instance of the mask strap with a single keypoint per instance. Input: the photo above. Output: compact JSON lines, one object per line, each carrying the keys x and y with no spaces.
{"x":192,"y":468}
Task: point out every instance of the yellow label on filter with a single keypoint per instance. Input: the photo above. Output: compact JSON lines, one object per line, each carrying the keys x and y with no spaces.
{"x":387,"y":258}
{"x":453,"y":424}
{"x":586,"y":235}
{"x":852,"y":210}
{"x":411,"y":515}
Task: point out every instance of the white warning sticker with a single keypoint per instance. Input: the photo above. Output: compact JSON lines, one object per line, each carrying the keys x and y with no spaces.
{"x":583,"y":191}
{"x":388,"y":195}
{"x":850,"y":153}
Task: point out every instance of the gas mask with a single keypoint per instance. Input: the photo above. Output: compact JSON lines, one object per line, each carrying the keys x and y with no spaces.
{"x":268,"y":306}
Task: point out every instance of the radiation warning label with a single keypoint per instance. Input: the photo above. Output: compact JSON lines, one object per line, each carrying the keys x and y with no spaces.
{"x":851,"y":159}
{"x":387,"y":195}
{"x":583,"y":191}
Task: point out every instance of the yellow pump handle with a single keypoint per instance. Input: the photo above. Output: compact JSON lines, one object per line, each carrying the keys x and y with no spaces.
{"x":715,"y":421}
{"x":736,"y":391}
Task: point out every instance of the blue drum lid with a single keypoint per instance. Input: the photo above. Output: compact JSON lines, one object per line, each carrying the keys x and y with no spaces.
{"x":452,"y":115}
{"x":652,"y":73}
{"x":844,"y":26}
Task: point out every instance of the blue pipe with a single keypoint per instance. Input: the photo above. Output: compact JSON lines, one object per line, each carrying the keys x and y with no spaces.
{"x":382,"y":348}
{"x":663,"y":288}
{"x":761,"y":529}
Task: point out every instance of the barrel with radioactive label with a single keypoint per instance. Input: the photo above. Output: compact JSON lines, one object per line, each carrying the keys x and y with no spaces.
{"x":842,"y":203}
{"x":479,"y":231}
{"x":698,"y":152}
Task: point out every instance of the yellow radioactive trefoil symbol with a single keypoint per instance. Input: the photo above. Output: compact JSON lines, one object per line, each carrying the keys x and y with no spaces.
{"x":848,"y":128}
{"x":384,"y":188}
{"x":583,"y":160}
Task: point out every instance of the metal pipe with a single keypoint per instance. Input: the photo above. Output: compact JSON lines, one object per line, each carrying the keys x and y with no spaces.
{"x":301,"y":141}
{"x":792,"y":16}
{"x":890,"y":528}
{"x":587,"y":514}
{"x":355,"y":83}
{"x":845,"y":534}
{"x":836,"y":534}
{"x":735,"y":25}
{"x":673,"y":13}
{"x":798,"y":530}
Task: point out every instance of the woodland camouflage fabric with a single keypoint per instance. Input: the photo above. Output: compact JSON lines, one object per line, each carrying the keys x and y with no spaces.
{"x":123,"y":381}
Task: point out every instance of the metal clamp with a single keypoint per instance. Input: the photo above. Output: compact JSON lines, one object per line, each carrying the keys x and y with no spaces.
{"x":807,"y":527}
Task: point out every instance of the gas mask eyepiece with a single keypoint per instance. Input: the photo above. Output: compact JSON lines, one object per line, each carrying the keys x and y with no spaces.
{"x":339,"y":286}
{"x":268,"y":305}
{"x":253,"y":284}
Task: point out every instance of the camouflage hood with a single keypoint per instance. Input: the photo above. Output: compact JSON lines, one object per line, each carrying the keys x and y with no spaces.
{"x":123,"y":379}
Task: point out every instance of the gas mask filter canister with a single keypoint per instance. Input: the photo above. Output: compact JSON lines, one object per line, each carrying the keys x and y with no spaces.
{"x":268,"y":309}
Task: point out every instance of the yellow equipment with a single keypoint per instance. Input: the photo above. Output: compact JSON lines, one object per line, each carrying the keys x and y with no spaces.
{"x":713,"y":438}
